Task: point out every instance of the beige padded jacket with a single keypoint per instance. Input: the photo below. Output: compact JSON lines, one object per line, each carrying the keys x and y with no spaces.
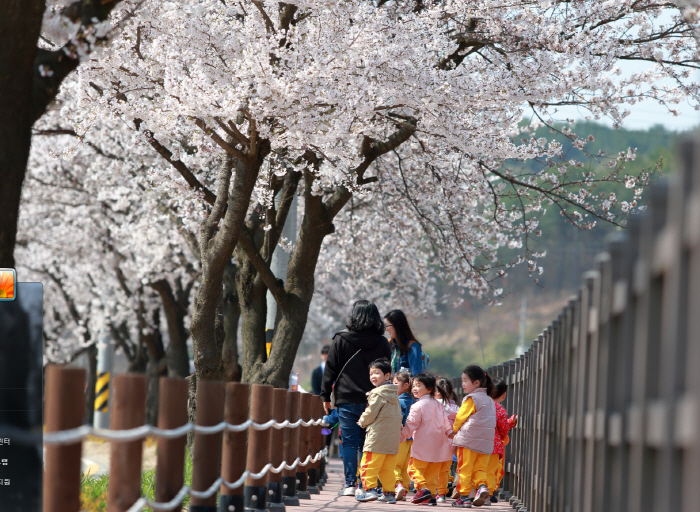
{"x":382,"y":419}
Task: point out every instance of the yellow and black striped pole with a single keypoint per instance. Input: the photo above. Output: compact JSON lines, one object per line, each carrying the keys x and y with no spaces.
{"x":105,"y":351}
{"x":102,"y":392}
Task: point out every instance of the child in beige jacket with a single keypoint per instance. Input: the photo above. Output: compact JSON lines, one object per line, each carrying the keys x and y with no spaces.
{"x":383,"y":420}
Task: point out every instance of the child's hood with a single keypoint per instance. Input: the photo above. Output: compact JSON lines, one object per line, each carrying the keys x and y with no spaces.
{"x":388,"y":392}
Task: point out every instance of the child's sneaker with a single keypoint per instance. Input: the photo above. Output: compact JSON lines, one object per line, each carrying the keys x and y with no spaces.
{"x":482,"y":494}
{"x":456,"y":494}
{"x":347,"y":491}
{"x":400,"y":492}
{"x":431,"y":502}
{"x":440,"y":498}
{"x":462,"y":502}
{"x":487,"y":502}
{"x":388,"y":497}
{"x":421,"y":496}
{"x":493,"y":499}
{"x":369,"y":495}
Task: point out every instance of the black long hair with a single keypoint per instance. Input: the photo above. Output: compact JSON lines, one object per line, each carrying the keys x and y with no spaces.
{"x":430,"y":384}
{"x":499,"y":388}
{"x":403,"y":331}
{"x":449,"y":389}
{"x":475,"y":372}
{"x":365,"y":317}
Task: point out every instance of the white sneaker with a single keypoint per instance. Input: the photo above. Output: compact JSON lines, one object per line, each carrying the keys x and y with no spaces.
{"x":348,"y":491}
{"x":440,"y":498}
{"x":358,"y":493}
{"x":400,"y":491}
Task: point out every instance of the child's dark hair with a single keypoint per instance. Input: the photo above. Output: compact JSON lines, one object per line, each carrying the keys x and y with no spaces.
{"x":449,"y":389}
{"x":430,"y":384}
{"x":382,"y":364}
{"x":499,"y":389}
{"x":403,"y":376}
{"x":475,"y":372}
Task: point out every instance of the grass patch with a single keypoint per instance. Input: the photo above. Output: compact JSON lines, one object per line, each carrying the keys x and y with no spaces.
{"x":94,"y":489}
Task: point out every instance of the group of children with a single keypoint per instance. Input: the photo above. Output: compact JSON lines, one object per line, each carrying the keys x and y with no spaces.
{"x":413,"y":429}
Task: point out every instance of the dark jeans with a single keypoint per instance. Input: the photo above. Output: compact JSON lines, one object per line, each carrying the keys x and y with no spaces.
{"x":353,"y":439}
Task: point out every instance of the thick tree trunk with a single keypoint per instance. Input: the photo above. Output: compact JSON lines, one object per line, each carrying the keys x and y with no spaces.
{"x":252,"y":296}
{"x":232,"y":315}
{"x":176,"y":354}
{"x":216,"y":250}
{"x":20,"y":25}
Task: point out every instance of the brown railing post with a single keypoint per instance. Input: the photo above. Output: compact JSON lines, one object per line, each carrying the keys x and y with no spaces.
{"x":274,"y":480}
{"x":291,"y":450}
{"x":172,"y":413}
{"x":258,"y":447}
{"x":207,"y":447}
{"x":64,"y":410}
{"x":304,"y":437}
{"x":234,"y":446}
{"x":128,"y":411}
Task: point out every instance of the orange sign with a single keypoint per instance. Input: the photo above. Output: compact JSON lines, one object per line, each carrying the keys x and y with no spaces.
{"x":8,"y":283}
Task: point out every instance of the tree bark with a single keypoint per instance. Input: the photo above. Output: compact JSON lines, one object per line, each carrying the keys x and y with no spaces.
{"x":20,"y":25}
{"x":176,"y":354}
{"x":232,"y":315}
{"x":216,"y":249}
{"x":25,"y":92}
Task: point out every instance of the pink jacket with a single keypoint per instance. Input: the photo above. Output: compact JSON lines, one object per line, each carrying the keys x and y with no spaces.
{"x":428,"y":424}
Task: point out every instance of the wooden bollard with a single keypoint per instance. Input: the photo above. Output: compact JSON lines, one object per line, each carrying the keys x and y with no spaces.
{"x":234,"y":444}
{"x":274,"y":480}
{"x":207,"y":447}
{"x":172,"y":413}
{"x":314,"y":436}
{"x":65,"y":406}
{"x":304,"y":438}
{"x":291,"y":450}
{"x":258,"y":447}
{"x":128,"y":411}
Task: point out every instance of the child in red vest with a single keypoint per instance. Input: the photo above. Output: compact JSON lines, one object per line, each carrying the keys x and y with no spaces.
{"x":494,"y":470}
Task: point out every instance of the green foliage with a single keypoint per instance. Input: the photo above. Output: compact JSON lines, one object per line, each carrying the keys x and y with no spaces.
{"x":94,"y":489}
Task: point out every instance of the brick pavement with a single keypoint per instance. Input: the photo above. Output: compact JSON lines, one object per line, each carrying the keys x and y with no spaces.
{"x":329,"y":501}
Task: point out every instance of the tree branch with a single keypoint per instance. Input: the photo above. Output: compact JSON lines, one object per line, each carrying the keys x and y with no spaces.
{"x":221,"y":142}
{"x":274,"y":285}
{"x":372,"y":150}
{"x":184,"y":171}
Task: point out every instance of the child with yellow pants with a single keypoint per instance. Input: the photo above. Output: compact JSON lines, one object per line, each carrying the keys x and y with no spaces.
{"x":427,"y":423}
{"x":402,"y":380}
{"x":382,"y":419}
{"x":473,"y":433}
{"x":494,"y":471}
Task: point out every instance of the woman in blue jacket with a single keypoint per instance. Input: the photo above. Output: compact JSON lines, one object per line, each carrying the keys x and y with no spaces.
{"x":406,"y":351}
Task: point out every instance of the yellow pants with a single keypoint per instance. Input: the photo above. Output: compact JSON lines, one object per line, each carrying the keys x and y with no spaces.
{"x":426,"y":474}
{"x":379,"y":465}
{"x":495,"y":472}
{"x":444,"y":477}
{"x":401,"y":470}
{"x":472,"y":469}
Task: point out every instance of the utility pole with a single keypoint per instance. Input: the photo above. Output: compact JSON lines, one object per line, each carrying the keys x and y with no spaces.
{"x":105,"y":360}
{"x":523,"y":323}
{"x":278,"y":265}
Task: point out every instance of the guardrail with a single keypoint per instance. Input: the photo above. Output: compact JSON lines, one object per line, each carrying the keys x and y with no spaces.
{"x":608,"y":396}
{"x":242,"y":453}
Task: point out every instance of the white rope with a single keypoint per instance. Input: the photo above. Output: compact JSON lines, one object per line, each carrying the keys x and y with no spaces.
{"x":76,"y":435}
{"x":141,"y":503}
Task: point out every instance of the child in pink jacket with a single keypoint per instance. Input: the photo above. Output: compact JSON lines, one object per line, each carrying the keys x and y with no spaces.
{"x":431,"y":452}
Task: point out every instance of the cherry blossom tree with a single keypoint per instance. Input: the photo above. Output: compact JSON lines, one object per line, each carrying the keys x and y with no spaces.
{"x":386,"y":118}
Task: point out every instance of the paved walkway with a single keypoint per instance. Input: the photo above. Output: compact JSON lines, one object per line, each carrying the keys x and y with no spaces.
{"x":329,"y":500}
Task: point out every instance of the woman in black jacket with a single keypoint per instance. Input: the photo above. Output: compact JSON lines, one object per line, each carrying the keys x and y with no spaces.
{"x":347,"y":366}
